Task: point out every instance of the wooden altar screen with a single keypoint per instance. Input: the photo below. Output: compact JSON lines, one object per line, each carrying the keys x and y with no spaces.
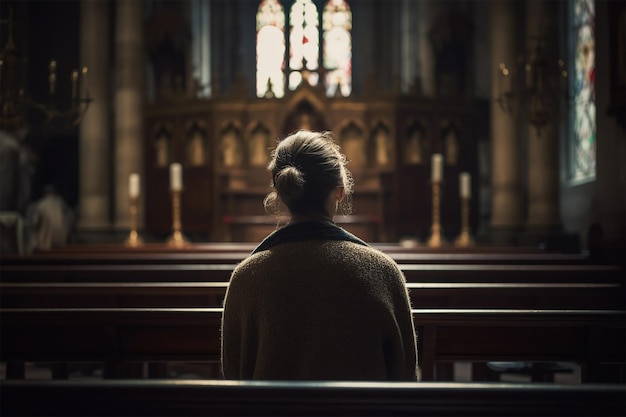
{"x":224,"y":145}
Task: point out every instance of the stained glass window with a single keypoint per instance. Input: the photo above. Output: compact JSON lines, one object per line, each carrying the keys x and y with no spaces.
{"x":337,"y":24}
{"x":270,"y":49}
{"x":304,"y":47}
{"x":303,"y":43}
{"x":583,"y":111}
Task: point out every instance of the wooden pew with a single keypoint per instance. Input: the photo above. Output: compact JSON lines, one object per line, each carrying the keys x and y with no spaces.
{"x":275,"y":398}
{"x":234,"y":253}
{"x":117,"y":337}
{"x":211,"y":294}
{"x":221,"y":272}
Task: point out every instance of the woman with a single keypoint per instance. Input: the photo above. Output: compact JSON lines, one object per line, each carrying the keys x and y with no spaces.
{"x":312,"y":301}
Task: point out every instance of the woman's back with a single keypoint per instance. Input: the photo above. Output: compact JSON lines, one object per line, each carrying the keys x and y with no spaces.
{"x":318,"y":310}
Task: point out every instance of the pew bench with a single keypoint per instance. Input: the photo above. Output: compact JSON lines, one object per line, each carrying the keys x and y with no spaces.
{"x":522,"y":295}
{"x":221,"y":272}
{"x":278,"y":398}
{"x":118,"y":337}
{"x":201,"y":254}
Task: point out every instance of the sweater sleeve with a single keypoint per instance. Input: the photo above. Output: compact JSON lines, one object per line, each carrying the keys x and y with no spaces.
{"x":238,"y":331}
{"x":402,"y":349}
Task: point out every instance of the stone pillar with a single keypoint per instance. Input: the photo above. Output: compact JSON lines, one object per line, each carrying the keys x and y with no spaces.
{"x":543,"y":145}
{"x":129,"y":88}
{"x":408,"y":47}
{"x":506,"y":212}
{"x":94,"y":188}
{"x":427,"y":13}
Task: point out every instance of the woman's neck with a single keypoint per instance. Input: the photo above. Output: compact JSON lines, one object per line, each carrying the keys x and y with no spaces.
{"x":310,"y":217}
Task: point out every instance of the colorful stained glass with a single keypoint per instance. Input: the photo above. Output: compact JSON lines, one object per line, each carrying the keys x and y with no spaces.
{"x":303,"y":41}
{"x":337,"y":26}
{"x":583,"y":117}
{"x":270,"y":49}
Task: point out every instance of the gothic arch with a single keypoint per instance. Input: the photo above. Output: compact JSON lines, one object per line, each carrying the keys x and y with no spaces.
{"x":231,"y":152}
{"x":259,"y":144}
{"x":196,"y":146}
{"x":352,"y":136}
{"x":381,"y":144}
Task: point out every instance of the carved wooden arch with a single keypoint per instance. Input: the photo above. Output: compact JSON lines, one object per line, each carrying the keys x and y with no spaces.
{"x":357,"y":154}
{"x":450,"y":144}
{"x":415,"y":141}
{"x":305,"y":94}
{"x":162,"y":151}
{"x":197,"y":156}
{"x":269,"y":142}
{"x":222,"y":153}
{"x":381,"y":154}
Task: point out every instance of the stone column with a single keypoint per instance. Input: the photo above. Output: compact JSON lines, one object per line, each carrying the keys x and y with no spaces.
{"x":408,"y":47}
{"x":543,"y":145}
{"x":129,"y":89}
{"x":427,"y":13}
{"x":506,"y":213}
{"x":94,"y":130}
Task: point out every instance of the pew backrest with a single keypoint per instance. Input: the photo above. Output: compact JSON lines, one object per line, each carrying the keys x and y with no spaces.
{"x":276,"y":398}
{"x":121,"y":335}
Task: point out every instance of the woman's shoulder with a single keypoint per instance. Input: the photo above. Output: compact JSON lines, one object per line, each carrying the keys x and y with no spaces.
{"x":364,"y":256}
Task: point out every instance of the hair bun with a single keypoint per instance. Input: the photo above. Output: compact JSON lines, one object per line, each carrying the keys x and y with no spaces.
{"x":289,"y":183}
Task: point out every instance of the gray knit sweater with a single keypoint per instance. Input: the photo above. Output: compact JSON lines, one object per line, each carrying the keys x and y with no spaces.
{"x":318,"y":310}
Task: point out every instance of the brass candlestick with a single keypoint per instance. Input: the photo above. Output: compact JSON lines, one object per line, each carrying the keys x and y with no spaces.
{"x":133,"y":237}
{"x":464,"y":239}
{"x":177,"y":238}
{"x":435,"y":239}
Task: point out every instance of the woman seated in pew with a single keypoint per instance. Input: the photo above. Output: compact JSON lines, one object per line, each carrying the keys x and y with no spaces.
{"x":313,"y":301}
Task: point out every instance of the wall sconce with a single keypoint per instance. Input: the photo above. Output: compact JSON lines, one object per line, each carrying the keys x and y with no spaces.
{"x":535,"y":95}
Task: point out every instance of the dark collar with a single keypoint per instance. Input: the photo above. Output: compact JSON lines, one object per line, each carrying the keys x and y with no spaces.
{"x":298,"y":232}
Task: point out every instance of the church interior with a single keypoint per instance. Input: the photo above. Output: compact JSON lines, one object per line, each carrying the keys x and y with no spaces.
{"x":492,"y":89}
{"x":488,"y":156}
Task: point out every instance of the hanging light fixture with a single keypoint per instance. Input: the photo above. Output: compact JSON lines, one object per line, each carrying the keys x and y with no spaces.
{"x":536,"y":96}
{"x":15,"y":100}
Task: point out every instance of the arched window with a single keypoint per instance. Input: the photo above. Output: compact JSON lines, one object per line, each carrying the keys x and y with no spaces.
{"x":270,"y":49}
{"x":304,"y":47}
{"x":337,"y":47}
{"x":583,"y":110}
{"x":303,"y":43}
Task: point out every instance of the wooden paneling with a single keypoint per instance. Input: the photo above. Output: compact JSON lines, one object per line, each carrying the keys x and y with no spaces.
{"x":397,"y":192}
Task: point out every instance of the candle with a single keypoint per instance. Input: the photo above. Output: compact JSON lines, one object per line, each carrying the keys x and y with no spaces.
{"x":176,"y":178}
{"x":84,"y":86}
{"x":74,"y":84}
{"x":437,"y":167}
{"x":465,"y":187}
{"x":133,"y":185}
{"x":53,"y":76}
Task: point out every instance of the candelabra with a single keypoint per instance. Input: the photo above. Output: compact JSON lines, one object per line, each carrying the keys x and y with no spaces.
{"x":464,"y":239}
{"x":532,"y":87}
{"x":57,"y":114}
{"x":63,"y":117}
{"x":133,"y":239}
{"x":435,"y":239}
{"x":176,"y":238}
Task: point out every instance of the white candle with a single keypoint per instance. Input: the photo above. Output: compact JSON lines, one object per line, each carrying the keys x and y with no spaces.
{"x":437,"y":168}
{"x":133,"y":185}
{"x":465,"y":181}
{"x":176,"y":177}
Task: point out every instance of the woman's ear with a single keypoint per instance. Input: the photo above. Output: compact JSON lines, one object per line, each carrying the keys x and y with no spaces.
{"x":340,"y":193}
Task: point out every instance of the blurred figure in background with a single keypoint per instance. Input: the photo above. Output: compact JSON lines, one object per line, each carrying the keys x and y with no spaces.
{"x":50,"y":220}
